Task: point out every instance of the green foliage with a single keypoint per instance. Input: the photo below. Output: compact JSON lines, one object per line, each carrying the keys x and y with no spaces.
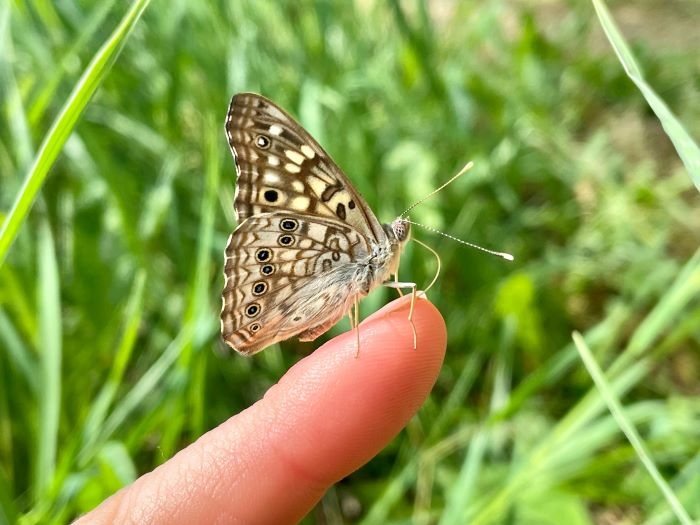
{"x":110,"y":359}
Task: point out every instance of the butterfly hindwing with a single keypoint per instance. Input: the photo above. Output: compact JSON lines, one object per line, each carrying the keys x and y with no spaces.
{"x":286,"y":274}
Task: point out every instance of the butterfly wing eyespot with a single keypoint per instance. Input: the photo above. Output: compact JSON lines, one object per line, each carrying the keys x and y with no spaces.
{"x":259,"y":288}
{"x":271,"y":195}
{"x":263,"y":142}
{"x":286,"y":240}
{"x":263,"y":254}
{"x":288,"y":224}
{"x":252,"y":310}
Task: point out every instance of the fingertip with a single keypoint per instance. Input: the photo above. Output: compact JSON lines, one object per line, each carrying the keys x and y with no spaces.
{"x":431,"y":330}
{"x":327,"y":416}
{"x":361,"y":401}
{"x":388,"y":335}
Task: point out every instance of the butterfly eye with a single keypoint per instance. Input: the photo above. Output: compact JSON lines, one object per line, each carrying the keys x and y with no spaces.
{"x":262,"y":142}
{"x":289,"y":225}
{"x":286,"y":240}
{"x":263,"y":254}
{"x":252,"y":310}
{"x":400,"y":228}
{"x":259,"y":288}
{"x":267,"y":269}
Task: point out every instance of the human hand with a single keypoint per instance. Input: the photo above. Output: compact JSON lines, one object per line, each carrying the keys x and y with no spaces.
{"x":328,"y":415}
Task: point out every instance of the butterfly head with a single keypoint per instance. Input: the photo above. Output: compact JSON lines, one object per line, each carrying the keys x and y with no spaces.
{"x":401,"y":228}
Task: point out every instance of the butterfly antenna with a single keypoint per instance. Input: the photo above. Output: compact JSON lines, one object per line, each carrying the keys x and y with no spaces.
{"x":437,"y":258}
{"x":466,"y":168}
{"x":506,"y":256}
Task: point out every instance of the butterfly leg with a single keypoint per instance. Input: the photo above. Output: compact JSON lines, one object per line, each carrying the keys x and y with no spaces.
{"x":354,"y":316}
{"x":351,"y":317}
{"x":396,"y":282}
{"x":396,"y":276}
{"x":356,"y":321}
{"x":398,"y":285}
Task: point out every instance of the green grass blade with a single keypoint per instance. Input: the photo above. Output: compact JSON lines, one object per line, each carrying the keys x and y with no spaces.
{"x":132,"y":313}
{"x":687,"y":149}
{"x":18,"y":352}
{"x":16,"y":116}
{"x":8,"y":509}
{"x":198,"y":314}
{"x":146,"y":384}
{"x":461,"y":495}
{"x":64,"y":124}
{"x":392,"y":492}
{"x":628,"y":428}
{"x":199,"y":311}
{"x":686,"y":483}
{"x":543,"y":457}
{"x":50,"y":334}
{"x":37,"y":109}
{"x":458,"y":395}
{"x":684,"y":289}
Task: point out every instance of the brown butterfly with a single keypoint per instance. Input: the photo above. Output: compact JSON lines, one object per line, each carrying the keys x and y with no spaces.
{"x":307,"y":247}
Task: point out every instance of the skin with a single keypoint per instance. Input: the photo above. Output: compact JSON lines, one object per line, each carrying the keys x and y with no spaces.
{"x":328,"y":415}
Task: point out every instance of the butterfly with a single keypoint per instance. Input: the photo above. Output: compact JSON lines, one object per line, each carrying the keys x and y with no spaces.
{"x":307,"y":246}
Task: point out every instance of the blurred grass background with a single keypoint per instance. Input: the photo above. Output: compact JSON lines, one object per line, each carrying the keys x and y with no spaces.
{"x":110,"y":356}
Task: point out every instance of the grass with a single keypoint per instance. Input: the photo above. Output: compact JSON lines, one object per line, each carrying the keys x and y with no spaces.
{"x":585,"y":165}
{"x":628,"y":428}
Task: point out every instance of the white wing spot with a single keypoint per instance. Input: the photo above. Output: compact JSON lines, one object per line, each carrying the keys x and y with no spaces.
{"x":295,"y":157}
{"x":317,"y":185}
{"x":299,"y":268}
{"x":275,"y":129}
{"x":298,"y":186}
{"x":305,"y":244}
{"x":271,"y":177}
{"x":292,"y":168}
{"x":299,"y":203}
{"x":273,"y":161}
{"x":307,"y":151}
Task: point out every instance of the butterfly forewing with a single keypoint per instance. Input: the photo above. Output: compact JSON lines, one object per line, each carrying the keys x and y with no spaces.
{"x":281,"y":167}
